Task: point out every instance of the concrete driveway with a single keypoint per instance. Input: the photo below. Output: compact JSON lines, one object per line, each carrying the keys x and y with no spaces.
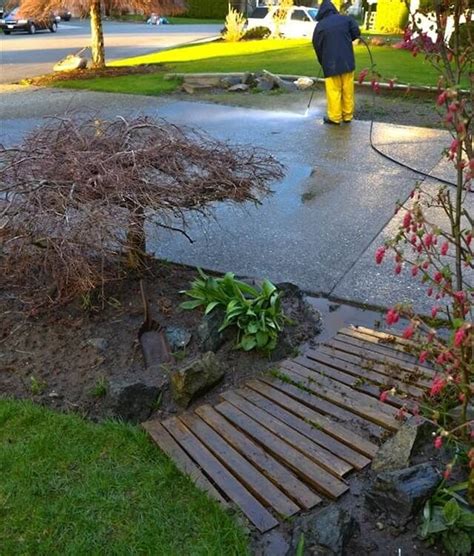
{"x":324,"y":221}
{"x":23,"y":55}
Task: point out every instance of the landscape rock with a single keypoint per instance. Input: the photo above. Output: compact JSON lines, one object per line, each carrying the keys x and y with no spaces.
{"x":71,"y":63}
{"x":240,"y":87}
{"x":264,"y":83}
{"x":272,"y":543}
{"x":326,"y":532}
{"x":303,"y":83}
{"x":133,"y":401}
{"x":456,"y":413}
{"x":231,"y":81}
{"x":396,"y":452}
{"x":178,"y":337}
{"x":209,"y":337}
{"x":400,"y":494}
{"x":195,"y":378}
{"x":100,"y":344}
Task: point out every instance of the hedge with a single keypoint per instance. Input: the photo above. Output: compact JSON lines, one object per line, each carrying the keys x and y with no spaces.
{"x":210,"y":9}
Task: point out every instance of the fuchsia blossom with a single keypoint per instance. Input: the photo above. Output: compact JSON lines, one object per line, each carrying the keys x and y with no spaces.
{"x":384,"y":395}
{"x":438,"y":277}
{"x":468,"y":239}
{"x":363,"y":75}
{"x":380,"y":254}
{"x":434,"y":311}
{"x":408,"y":332}
{"x":392,"y":317}
{"x":437,"y":386}
{"x":398,"y":268}
{"x":407,"y":220}
{"x":438,"y":443}
{"x":448,"y":471}
{"x":429,"y":292}
{"x":460,"y":296}
{"x":414,"y":270}
{"x":444,"y":248}
{"x":453,"y":149}
{"x":459,"y":337}
{"x":423,"y":356}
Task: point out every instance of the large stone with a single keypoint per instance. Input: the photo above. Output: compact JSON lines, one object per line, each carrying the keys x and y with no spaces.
{"x":195,"y":378}
{"x":209,"y":337}
{"x":265,"y":83}
{"x":400,"y":494}
{"x":100,"y":344}
{"x":133,"y":401}
{"x":397,"y":451}
{"x":178,"y":337}
{"x":239,"y":88}
{"x":326,"y":532}
{"x":231,"y":81}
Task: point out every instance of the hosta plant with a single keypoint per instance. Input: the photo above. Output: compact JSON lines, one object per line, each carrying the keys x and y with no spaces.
{"x":256,"y":313}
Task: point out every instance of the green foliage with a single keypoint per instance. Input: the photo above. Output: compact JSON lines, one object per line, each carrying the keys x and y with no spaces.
{"x":234,"y":26}
{"x":256,"y":313}
{"x":447,"y":518}
{"x":100,"y":388}
{"x":208,"y":8}
{"x":37,"y":387}
{"x":256,"y":34}
{"x":392,"y":16}
{"x":466,"y":34}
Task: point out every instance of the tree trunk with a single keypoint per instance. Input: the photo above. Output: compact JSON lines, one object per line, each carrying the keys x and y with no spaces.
{"x":97,"y":35}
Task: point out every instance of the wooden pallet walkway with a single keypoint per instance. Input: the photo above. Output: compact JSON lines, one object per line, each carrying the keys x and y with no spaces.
{"x":279,"y":443}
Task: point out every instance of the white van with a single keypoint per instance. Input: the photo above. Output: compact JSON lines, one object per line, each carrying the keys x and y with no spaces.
{"x":299,"y":22}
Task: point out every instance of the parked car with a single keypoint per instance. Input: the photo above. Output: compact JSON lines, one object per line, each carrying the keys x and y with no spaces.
{"x":299,"y":21}
{"x":15,"y":22}
{"x":63,"y":15}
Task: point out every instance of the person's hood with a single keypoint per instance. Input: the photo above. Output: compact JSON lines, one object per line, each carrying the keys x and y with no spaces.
{"x":327,"y":8}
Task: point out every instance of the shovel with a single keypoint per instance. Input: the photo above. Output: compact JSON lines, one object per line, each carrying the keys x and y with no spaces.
{"x":152,"y":337}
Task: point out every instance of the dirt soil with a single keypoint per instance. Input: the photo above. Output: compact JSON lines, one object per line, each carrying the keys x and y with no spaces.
{"x":69,"y":358}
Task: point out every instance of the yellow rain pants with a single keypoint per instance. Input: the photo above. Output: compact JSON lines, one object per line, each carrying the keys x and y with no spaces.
{"x":340,"y":97}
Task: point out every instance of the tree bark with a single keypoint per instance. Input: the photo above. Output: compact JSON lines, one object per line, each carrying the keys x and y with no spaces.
{"x":97,"y":35}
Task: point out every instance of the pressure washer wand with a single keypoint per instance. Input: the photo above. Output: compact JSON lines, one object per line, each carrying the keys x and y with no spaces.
{"x":309,"y":103}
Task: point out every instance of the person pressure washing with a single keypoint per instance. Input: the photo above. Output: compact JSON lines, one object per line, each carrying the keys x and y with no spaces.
{"x":332,"y":42}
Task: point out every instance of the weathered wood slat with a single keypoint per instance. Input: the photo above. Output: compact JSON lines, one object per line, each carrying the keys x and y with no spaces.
{"x":263,"y":461}
{"x":251,"y":507}
{"x":394,"y":345}
{"x":323,"y":406}
{"x":329,"y":443}
{"x":331,"y":465}
{"x":263,"y":489}
{"x":404,"y":380}
{"x":297,"y":461}
{"x":358,"y":447}
{"x":180,"y":458}
{"x":404,"y":359}
{"x":389,"y":339}
{"x":355,"y":382}
{"x":324,"y":388}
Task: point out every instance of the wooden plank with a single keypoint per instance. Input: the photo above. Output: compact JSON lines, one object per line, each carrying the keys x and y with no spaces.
{"x":322,"y":406}
{"x":263,"y":489}
{"x":251,"y":507}
{"x":390,"y":343}
{"x":387,"y":338}
{"x":318,"y":436}
{"x":180,"y":458}
{"x":294,"y":459}
{"x":389,"y":371}
{"x":405,"y":360}
{"x":362,"y":351}
{"x":323,"y":388}
{"x":355,"y":382}
{"x":263,"y":461}
{"x":357,"y":444}
{"x":342,"y":389}
{"x":327,"y":461}
{"x":344,"y":378}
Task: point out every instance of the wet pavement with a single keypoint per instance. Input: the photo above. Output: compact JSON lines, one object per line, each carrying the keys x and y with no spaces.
{"x":324,"y":221}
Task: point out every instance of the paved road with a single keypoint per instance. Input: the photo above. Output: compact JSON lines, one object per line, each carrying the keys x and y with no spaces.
{"x":23,"y":55}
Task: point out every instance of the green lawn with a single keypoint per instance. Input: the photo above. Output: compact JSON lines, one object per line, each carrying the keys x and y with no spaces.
{"x":73,"y":487}
{"x":193,"y":21}
{"x":294,"y":57}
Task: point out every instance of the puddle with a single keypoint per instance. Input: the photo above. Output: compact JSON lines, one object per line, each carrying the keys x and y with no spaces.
{"x":338,"y":315}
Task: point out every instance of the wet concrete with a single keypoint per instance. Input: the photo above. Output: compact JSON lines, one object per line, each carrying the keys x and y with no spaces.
{"x":324,"y":221}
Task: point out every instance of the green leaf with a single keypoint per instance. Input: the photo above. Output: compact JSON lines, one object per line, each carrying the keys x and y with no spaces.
{"x":248,"y":342}
{"x":191,"y":304}
{"x":252,"y":328}
{"x":466,"y":519}
{"x":262,"y":339}
{"x":457,"y":542}
{"x":451,"y":512}
{"x":211,"y":306}
{"x":300,"y":547}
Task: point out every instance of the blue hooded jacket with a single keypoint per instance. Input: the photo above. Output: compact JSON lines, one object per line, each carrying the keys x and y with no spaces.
{"x":332,"y":40}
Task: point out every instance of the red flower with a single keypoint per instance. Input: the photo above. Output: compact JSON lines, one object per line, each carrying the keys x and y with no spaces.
{"x":398,"y":268}
{"x":428,"y":240}
{"x":437,"y":386}
{"x":414,"y":270}
{"x":459,"y":337}
{"x":442,"y":98}
{"x":423,"y":356}
{"x":438,"y":277}
{"x":460,"y":296}
{"x":429,"y":292}
{"x":392,"y":317}
{"x":363,"y":75}
{"x":438,"y":442}
{"x":408,"y":332}
{"x":448,"y":471}
{"x":468,"y":239}
{"x":407,"y":220}
{"x":384,"y":395}
{"x":380,"y":254}
{"x":444,"y":248}
{"x":434,"y":311}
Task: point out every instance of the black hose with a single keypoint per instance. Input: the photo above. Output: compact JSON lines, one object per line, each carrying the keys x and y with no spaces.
{"x":388,"y":157}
